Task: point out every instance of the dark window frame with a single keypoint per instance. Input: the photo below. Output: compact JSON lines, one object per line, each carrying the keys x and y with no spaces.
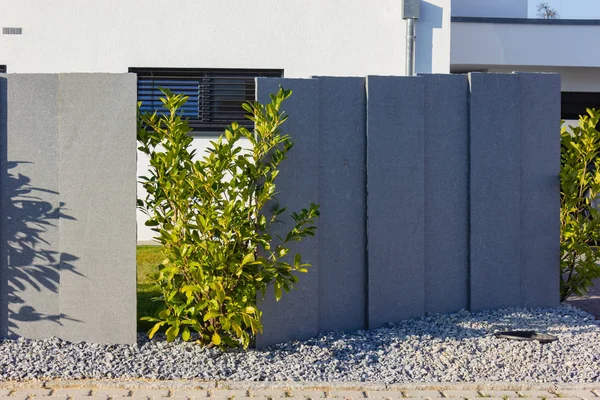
{"x":574,"y":104}
{"x":215,"y":94}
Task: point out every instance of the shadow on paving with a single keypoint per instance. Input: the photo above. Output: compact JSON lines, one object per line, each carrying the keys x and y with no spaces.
{"x":589,"y":303}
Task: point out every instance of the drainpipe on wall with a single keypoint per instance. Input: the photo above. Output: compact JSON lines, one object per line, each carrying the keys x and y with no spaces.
{"x":410,"y":12}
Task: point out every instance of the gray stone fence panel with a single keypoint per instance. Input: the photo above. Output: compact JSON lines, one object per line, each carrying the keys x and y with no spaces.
{"x":460,"y":205}
{"x":67,"y":265}
{"x":395,"y":200}
{"x":437,"y":192}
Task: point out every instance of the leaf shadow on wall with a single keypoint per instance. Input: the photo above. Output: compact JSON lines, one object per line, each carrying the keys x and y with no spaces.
{"x":31,"y":263}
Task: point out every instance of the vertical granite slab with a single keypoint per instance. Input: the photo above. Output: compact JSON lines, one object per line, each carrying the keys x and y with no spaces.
{"x":395,"y":199}
{"x":540,"y":189}
{"x":3,"y":179}
{"x":446,"y":193}
{"x":98,"y":188}
{"x":30,"y":206}
{"x":296,"y":315}
{"x":342,"y":224}
{"x":495,"y":191}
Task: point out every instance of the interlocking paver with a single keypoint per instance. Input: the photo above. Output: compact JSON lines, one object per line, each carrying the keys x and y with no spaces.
{"x":150,"y":393}
{"x":384,"y":394}
{"x":422,"y":394}
{"x":71,"y":392}
{"x":227,"y":394}
{"x":189,"y":393}
{"x":581,"y":394}
{"x":170,"y":398}
{"x":461,"y":394}
{"x":499,"y":393}
{"x":536,"y":394}
{"x":76,"y":397}
{"x":347,"y":394}
{"x":33,"y":392}
{"x":272,"y":393}
{"x":112,"y":393}
{"x":307,"y":393}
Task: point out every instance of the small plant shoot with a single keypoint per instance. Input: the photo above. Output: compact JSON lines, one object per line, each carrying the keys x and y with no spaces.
{"x":212,"y":216}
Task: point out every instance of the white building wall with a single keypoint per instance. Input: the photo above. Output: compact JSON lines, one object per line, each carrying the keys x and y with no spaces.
{"x":302,"y":37}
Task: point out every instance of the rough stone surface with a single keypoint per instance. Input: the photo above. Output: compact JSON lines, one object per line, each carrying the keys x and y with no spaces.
{"x":395,"y":199}
{"x":495,"y":191}
{"x":98,"y":188}
{"x":446,"y":192}
{"x":68,"y":200}
{"x":296,"y":315}
{"x":540,"y":189}
{"x":342,"y":182}
{"x":30,"y":207}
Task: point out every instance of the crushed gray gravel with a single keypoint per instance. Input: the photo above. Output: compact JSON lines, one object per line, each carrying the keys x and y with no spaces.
{"x":457,"y":347}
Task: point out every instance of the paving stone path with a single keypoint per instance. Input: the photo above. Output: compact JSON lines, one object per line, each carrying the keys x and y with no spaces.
{"x":192,"y":390}
{"x":589,"y":302}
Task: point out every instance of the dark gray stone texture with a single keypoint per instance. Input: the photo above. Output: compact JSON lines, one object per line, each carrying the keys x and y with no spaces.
{"x":461,"y":180}
{"x":540,"y":189}
{"x":296,"y":315}
{"x":342,"y":224}
{"x":68,"y":206}
{"x":495,"y":191}
{"x":446,"y":192}
{"x":395,"y":199}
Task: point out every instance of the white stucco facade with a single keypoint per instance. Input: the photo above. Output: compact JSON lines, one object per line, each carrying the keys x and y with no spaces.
{"x":302,"y":37}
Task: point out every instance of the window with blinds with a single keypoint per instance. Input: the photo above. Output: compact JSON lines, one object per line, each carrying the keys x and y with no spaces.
{"x":574,"y":104}
{"x":215,"y":96}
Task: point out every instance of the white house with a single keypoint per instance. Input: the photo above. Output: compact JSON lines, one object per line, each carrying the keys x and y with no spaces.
{"x":212,"y":49}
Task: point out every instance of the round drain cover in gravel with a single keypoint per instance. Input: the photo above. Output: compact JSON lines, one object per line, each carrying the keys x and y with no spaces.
{"x":526,"y":335}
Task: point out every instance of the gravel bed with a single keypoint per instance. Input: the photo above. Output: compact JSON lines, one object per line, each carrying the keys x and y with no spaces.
{"x":440,"y":348}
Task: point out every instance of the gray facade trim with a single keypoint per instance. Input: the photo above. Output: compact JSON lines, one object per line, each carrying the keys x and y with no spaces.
{"x":526,"y":21}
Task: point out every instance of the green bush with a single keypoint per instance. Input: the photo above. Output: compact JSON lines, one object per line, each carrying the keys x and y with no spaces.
{"x":579,"y":216}
{"x":212,"y":216}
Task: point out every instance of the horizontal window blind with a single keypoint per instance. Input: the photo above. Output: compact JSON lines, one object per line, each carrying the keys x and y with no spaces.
{"x":215,"y":96}
{"x":574,"y":104}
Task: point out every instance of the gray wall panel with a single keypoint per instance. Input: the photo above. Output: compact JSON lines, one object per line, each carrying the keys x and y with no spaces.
{"x":540,"y":189}
{"x":3,"y":180}
{"x":395,"y":199}
{"x":296,"y":315}
{"x":429,"y":187}
{"x":495,"y":191}
{"x":30,"y":206}
{"x":446,"y":192}
{"x":342,"y":177}
{"x":98,"y":188}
